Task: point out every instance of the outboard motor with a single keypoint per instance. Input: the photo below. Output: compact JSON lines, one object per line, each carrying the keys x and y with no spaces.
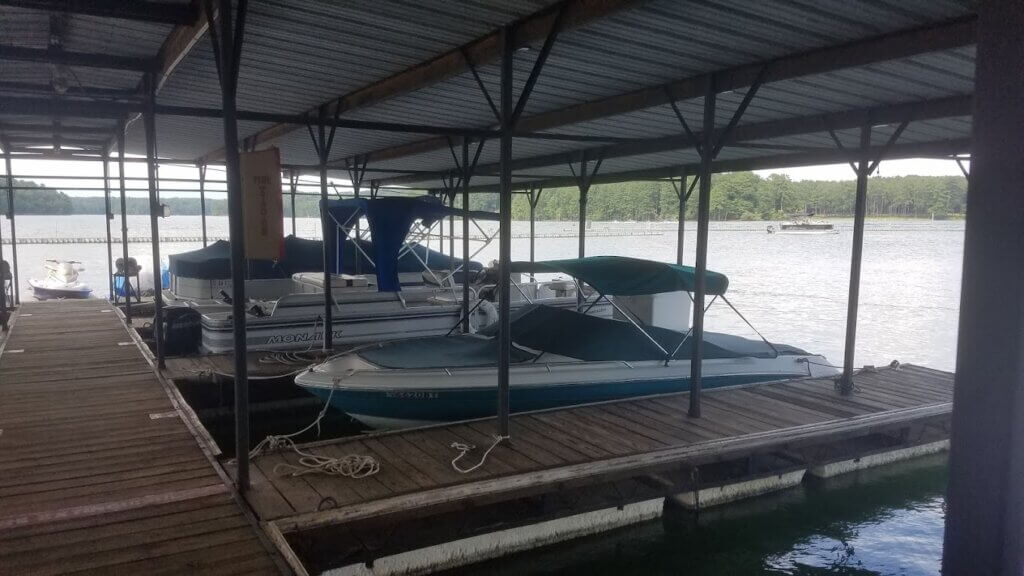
{"x":182,"y":330}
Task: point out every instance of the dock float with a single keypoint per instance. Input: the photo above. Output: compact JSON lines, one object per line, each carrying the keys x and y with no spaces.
{"x":99,"y":472}
{"x":571,"y":472}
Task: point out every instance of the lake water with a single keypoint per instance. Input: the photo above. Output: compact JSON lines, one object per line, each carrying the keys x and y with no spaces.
{"x":794,"y":290}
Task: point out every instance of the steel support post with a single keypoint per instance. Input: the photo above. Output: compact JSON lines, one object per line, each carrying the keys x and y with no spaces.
{"x":202,"y":198}
{"x":703,"y":218}
{"x":107,"y":215}
{"x":357,"y":180}
{"x":584,"y":188}
{"x":465,"y":235}
{"x":126,"y":284}
{"x":3,"y":279}
{"x":149,"y":122}
{"x":681,"y":231}
{"x":859,"y":211}
{"x":505,"y":232}
{"x":11,"y":215}
{"x":3,"y":287}
{"x":533,"y":198}
{"x":985,"y":498}
{"x":227,"y":50}
{"x":451,"y":235}
{"x":325,"y":224}
{"x":293,"y":180}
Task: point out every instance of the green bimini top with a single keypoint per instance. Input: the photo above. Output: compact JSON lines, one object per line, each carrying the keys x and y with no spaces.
{"x":623,"y":276}
{"x":565,"y":333}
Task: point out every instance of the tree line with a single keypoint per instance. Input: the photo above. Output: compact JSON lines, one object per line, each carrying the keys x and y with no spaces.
{"x":734,"y":196}
{"x":748,"y":196}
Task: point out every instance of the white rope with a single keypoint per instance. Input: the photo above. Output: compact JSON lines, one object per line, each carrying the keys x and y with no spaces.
{"x":350,"y":465}
{"x":467,"y":448}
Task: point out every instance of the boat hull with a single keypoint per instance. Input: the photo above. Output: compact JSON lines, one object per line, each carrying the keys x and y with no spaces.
{"x":270,"y":333}
{"x":44,"y":293}
{"x":352,"y":325}
{"x":403,"y":398}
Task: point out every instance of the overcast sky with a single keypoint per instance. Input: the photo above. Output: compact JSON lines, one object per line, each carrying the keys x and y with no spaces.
{"x":38,"y":170}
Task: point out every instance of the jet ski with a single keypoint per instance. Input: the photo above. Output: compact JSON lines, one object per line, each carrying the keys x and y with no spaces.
{"x":61,"y":281}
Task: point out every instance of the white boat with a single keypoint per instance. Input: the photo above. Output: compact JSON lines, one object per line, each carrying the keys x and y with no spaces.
{"x":295,"y":321}
{"x":559,"y":357}
{"x":384,"y":306}
{"x":61,"y":281}
{"x":802,"y":224}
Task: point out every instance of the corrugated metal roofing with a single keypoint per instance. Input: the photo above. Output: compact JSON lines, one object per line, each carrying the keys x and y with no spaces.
{"x":302,"y":53}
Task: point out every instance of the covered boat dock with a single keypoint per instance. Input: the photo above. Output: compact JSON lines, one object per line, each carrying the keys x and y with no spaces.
{"x":457,"y":99}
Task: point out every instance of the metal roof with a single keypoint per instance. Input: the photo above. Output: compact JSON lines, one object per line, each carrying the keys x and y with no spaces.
{"x":604,"y":78}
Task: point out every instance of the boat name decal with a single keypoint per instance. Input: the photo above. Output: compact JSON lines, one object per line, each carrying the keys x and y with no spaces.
{"x":412,"y":395}
{"x":302,"y":337}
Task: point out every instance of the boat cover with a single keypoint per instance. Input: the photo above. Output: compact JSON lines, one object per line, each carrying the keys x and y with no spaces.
{"x":453,"y":351}
{"x":623,"y":276}
{"x":390,"y":219}
{"x":300,"y":255}
{"x":562,"y":332}
{"x":569,"y":333}
{"x":214,"y":263}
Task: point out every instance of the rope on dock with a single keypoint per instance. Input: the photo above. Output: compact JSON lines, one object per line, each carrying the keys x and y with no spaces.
{"x":350,"y":465}
{"x":467,"y":448}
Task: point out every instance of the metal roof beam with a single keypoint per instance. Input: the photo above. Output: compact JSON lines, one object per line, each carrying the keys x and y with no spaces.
{"x":97,"y":109}
{"x":902,"y":44}
{"x":48,"y":128}
{"x":86,"y":59}
{"x":942,"y":148}
{"x":53,"y":141}
{"x":142,"y":10}
{"x":483,"y":50}
{"x":38,"y":89}
{"x":922,"y":110}
{"x":172,"y":53}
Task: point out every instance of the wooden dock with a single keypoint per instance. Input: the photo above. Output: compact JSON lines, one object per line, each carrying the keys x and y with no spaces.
{"x":99,"y":473}
{"x":565,"y":462}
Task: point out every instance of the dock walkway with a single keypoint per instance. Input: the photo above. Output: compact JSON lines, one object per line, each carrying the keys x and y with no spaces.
{"x":793,"y":424}
{"x":98,"y":472}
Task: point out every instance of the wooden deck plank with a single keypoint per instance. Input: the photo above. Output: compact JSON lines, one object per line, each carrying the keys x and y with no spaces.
{"x":761,"y":411}
{"x":392,"y":462}
{"x":553,"y":432}
{"x":545,"y":452}
{"x":554,"y":449}
{"x":427,"y":465}
{"x":686,"y":429}
{"x":88,"y":480}
{"x":675,"y":414}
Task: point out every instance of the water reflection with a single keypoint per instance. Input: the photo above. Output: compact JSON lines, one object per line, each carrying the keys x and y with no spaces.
{"x":886,"y":521}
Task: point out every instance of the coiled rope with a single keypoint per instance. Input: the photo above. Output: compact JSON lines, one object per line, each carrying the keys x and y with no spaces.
{"x":350,"y":465}
{"x":464,"y":449}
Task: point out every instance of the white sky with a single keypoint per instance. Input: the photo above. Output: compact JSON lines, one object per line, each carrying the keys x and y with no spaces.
{"x":40,"y":170}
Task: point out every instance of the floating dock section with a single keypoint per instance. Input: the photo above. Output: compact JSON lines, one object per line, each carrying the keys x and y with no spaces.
{"x":99,"y":472}
{"x":104,"y":470}
{"x":571,"y":472}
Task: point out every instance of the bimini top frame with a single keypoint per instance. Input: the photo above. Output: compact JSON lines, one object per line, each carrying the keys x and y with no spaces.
{"x":395,"y":224}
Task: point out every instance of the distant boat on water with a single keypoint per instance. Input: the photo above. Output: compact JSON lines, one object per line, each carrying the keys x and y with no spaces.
{"x":802,"y":224}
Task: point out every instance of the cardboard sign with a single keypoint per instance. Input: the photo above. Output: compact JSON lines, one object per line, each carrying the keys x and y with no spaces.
{"x":262,"y":204}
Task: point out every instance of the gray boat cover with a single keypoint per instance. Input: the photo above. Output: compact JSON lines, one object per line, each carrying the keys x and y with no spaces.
{"x":566,"y":333}
{"x":460,"y":351}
